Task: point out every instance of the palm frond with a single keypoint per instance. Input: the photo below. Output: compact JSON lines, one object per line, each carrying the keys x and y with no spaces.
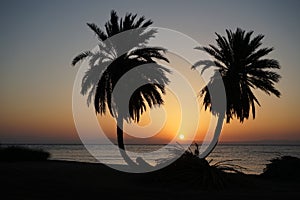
{"x":81,"y":57}
{"x":100,"y":34}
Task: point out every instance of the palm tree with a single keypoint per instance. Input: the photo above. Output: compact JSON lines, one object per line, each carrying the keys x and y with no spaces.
{"x":113,"y":60}
{"x":240,"y":62}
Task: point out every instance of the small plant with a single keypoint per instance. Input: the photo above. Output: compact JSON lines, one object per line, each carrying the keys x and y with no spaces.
{"x":198,"y":172}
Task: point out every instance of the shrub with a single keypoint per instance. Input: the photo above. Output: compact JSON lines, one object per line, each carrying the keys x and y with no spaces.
{"x":285,"y":167}
{"x":14,"y":153}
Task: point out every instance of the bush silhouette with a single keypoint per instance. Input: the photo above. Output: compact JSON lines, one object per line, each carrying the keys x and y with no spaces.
{"x":14,"y":153}
{"x":285,"y":168}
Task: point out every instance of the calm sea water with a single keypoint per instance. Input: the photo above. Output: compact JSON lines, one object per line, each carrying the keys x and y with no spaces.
{"x":251,"y":157}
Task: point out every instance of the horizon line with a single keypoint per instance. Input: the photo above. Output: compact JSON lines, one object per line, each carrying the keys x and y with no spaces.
{"x":250,"y":142}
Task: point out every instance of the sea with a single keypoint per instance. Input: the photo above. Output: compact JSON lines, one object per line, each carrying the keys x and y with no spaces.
{"x":251,"y":157}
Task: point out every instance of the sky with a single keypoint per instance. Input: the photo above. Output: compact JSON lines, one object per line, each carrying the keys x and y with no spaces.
{"x":39,"y":39}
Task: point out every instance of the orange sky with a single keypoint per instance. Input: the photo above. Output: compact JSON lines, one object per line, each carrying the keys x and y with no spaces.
{"x":48,"y":119}
{"x":36,"y":77}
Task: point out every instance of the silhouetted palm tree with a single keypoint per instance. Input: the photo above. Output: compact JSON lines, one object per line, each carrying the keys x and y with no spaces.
{"x":116,"y":57}
{"x":243,"y":69}
{"x":240,"y":62}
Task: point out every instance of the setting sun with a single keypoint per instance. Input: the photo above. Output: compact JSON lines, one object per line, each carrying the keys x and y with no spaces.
{"x":181,"y":136}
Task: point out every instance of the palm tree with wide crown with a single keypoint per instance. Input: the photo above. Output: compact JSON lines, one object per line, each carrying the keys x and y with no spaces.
{"x":243,"y":67}
{"x":115,"y":57}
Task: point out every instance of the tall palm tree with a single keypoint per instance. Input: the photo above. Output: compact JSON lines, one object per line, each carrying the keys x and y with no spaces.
{"x":117,"y":56}
{"x":243,"y":68}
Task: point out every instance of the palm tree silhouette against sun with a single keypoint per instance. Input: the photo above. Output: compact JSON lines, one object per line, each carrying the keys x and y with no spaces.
{"x":115,"y":57}
{"x":242,"y":67}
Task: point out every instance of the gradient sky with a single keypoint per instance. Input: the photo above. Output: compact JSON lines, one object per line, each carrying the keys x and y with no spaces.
{"x":38,"y":40}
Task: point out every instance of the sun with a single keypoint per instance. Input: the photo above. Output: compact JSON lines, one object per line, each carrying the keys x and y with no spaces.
{"x":181,"y":136}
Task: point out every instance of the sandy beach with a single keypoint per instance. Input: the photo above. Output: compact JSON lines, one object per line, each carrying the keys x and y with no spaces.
{"x":69,"y":180}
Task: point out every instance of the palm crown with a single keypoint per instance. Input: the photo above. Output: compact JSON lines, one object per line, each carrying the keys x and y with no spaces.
{"x":243,"y":68}
{"x":118,"y":55}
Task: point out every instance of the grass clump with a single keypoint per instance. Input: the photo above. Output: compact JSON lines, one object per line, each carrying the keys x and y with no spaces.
{"x":194,"y":172}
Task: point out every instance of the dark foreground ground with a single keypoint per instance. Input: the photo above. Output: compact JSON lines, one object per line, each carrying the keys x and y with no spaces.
{"x":72,"y":180}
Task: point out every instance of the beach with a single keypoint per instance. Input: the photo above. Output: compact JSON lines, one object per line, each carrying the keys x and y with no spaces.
{"x":69,"y":180}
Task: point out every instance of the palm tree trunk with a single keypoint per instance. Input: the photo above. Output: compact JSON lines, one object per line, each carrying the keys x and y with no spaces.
{"x":121,"y":145}
{"x":120,"y":133}
{"x":213,"y":143}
